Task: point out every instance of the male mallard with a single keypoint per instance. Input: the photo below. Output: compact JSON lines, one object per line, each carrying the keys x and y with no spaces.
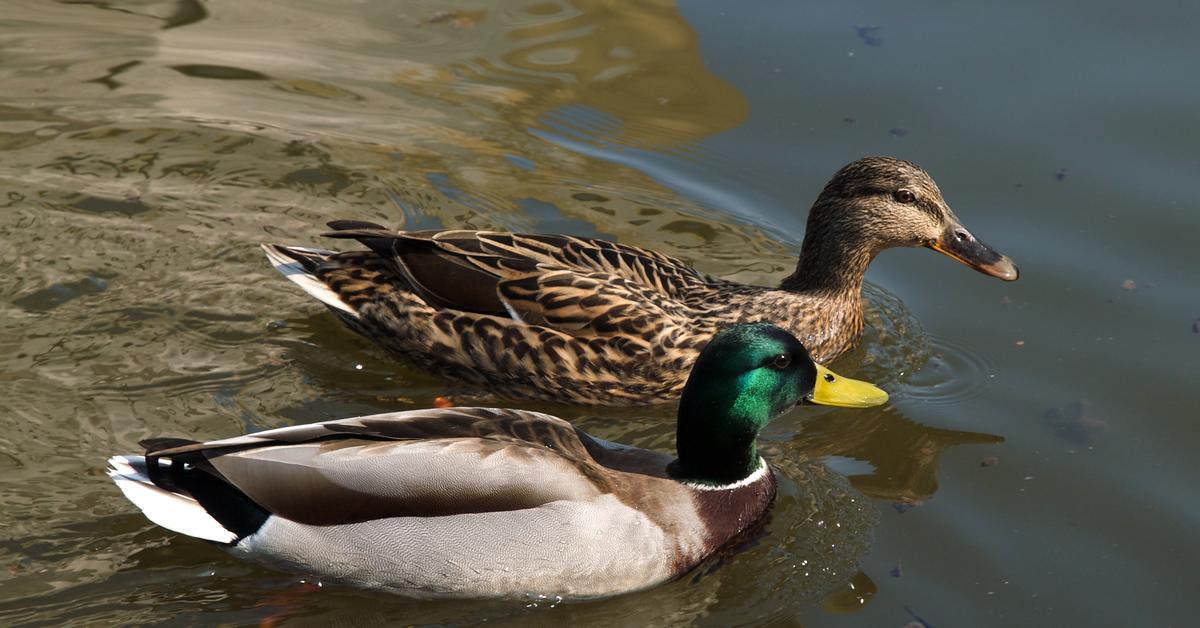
{"x":479,"y":502}
{"x":573,"y":319}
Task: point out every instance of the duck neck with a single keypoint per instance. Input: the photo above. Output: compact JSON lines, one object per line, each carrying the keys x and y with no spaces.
{"x":834,"y":257}
{"x":715,"y":436}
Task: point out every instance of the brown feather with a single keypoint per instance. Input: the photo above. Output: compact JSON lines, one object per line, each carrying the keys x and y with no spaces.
{"x":585,"y":320}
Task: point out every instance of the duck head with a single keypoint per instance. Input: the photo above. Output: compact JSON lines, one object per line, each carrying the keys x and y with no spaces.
{"x":745,"y":377}
{"x":876,"y":203}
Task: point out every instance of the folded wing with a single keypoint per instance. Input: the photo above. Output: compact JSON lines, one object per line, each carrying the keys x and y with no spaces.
{"x":424,"y":463}
{"x":581,"y":286}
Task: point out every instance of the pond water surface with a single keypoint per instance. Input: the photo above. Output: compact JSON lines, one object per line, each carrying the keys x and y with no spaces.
{"x":1034,"y":467}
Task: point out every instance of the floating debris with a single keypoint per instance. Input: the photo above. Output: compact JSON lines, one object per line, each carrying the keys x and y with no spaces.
{"x":1020,"y":343}
{"x":1075,"y":422}
{"x":218,"y":72}
{"x":897,"y":571}
{"x":989,"y":461}
{"x":1196,"y":326}
{"x":128,"y":206}
{"x":1128,"y":284}
{"x":868,"y":35}
{"x":456,"y":19}
{"x":49,"y":298}
{"x":898,"y":132}
{"x":1060,"y":174}
{"x":521,"y":162}
{"x":917,"y":622}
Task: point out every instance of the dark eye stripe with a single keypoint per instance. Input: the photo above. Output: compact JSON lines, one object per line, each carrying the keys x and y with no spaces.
{"x":929,"y":207}
{"x":923,"y":202}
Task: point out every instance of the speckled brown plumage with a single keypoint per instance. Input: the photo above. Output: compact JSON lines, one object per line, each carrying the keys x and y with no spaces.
{"x":582,"y":320}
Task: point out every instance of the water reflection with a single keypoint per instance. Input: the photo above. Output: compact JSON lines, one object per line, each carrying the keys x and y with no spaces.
{"x":852,"y":596}
{"x":172,"y":13}
{"x":451,"y":143}
{"x":952,"y":375}
{"x":628,"y":75}
{"x":900,"y":450}
{"x":639,"y":63}
{"x":903,"y":453}
{"x":109,"y":80}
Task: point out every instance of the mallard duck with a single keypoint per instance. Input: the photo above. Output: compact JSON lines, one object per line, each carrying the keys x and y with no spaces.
{"x":582,"y":320}
{"x":482,"y":502}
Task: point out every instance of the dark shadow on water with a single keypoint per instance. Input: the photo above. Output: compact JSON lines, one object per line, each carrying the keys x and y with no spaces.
{"x":186,"y":12}
{"x":100,"y":205}
{"x":222,"y":72}
{"x":53,"y":296}
{"x":109,"y":80}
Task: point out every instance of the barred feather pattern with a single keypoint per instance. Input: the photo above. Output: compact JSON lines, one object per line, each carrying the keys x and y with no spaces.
{"x":582,"y":320}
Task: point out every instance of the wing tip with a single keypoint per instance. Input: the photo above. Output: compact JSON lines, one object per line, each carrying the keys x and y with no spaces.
{"x":349,"y":225}
{"x":289,"y":261}
{"x":174,"y":511}
{"x":123,"y":466}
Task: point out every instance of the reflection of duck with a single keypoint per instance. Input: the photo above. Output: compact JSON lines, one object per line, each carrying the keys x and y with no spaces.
{"x":638,"y":67}
{"x":583,"y":320}
{"x":479,"y":502}
{"x":904,"y":453}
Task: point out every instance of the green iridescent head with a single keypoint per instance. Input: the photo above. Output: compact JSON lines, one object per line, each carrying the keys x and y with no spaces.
{"x":746,"y":376}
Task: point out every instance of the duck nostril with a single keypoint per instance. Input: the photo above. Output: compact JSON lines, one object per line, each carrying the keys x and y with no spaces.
{"x":962,"y":236}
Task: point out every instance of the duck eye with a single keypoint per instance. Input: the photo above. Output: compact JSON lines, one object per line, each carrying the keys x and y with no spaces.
{"x":904,"y":196}
{"x":782,"y":361}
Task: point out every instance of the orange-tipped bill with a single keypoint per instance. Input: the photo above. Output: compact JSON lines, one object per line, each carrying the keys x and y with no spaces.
{"x":958,"y":243}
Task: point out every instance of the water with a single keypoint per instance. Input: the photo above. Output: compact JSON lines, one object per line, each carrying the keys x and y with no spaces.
{"x":1033,"y":468}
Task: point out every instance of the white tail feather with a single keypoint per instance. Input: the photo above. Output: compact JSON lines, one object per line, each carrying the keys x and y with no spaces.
{"x":296,"y":272}
{"x":172,"y":511}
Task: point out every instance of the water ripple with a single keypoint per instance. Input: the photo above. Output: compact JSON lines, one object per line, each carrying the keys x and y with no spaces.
{"x":953,"y":374}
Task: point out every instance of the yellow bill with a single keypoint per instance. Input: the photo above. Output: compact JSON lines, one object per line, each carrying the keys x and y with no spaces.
{"x":834,"y":390}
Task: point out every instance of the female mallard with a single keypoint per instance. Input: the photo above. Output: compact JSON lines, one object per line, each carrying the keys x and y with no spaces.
{"x":572,"y":319}
{"x":477,"y":502}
